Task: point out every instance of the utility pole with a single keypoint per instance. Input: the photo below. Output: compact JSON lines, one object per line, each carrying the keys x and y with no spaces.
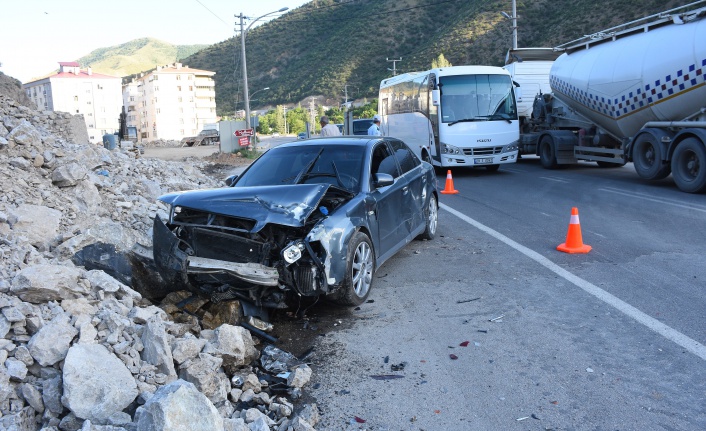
{"x":312,"y":110}
{"x":246,"y":96}
{"x":394,"y":65}
{"x":284,"y":109}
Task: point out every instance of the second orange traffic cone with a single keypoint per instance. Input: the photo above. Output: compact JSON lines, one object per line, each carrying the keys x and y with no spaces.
{"x":449,"y":189}
{"x":574,"y":241}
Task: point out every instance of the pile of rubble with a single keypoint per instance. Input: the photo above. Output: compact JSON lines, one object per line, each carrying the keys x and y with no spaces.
{"x":162,"y":143}
{"x":80,"y":349}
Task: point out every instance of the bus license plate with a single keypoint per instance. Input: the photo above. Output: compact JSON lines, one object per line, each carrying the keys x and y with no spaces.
{"x":483,"y":161}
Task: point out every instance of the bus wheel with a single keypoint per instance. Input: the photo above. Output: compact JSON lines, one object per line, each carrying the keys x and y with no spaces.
{"x":647,"y":158}
{"x":492,"y":168}
{"x":547,"y":155}
{"x":689,"y":166}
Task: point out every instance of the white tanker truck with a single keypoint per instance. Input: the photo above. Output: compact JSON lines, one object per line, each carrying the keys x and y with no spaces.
{"x":636,"y":92}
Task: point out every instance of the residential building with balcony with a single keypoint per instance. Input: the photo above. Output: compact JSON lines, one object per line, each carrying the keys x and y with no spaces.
{"x":170,"y":102}
{"x":80,"y":91}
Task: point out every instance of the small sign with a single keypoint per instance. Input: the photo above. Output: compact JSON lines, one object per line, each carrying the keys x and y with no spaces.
{"x":244,"y":141}
{"x":244,"y":132}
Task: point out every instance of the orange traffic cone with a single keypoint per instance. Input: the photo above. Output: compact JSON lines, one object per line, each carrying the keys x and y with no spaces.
{"x":449,"y":184}
{"x":574,"y":242}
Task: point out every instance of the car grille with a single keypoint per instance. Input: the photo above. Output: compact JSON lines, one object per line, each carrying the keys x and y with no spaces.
{"x":220,"y":245}
{"x":482,"y":151}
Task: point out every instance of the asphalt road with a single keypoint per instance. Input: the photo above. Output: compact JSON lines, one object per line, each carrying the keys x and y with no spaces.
{"x":542,"y":340}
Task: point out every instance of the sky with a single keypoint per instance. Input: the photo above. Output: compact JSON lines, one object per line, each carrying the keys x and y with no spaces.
{"x":35,"y":35}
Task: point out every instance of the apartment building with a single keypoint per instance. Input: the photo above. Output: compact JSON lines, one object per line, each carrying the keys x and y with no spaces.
{"x":95,"y":96}
{"x":170,"y":102}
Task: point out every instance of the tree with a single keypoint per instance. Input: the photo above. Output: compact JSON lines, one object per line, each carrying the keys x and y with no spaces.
{"x":335,"y":115}
{"x":367,"y":110}
{"x":440,"y":61}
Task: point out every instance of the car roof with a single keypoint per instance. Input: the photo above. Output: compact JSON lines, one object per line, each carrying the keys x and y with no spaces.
{"x":334,"y":140}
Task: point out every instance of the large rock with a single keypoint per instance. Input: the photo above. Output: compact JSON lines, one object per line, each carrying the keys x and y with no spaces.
{"x":205,"y":373}
{"x":25,"y":134}
{"x":157,"y":350}
{"x":68,"y":175}
{"x":38,"y":223}
{"x":178,"y":406}
{"x":96,"y":383}
{"x":235,"y":345}
{"x":51,"y":343}
{"x":43,"y":283}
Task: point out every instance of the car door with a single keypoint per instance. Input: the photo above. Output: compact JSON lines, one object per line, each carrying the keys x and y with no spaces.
{"x":388,"y":201}
{"x":413,"y":196}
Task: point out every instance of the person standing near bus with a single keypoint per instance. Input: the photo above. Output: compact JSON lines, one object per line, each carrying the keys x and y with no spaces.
{"x":374,"y":130}
{"x":328,"y":129}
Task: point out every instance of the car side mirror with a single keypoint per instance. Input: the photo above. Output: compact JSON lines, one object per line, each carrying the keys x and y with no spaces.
{"x":382,"y":180}
{"x":230,"y":181}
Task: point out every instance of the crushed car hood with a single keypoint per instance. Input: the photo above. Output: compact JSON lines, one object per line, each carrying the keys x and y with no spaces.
{"x":288,"y":205}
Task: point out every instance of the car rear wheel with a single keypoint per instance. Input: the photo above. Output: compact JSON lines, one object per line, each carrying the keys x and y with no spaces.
{"x":432,"y":219}
{"x":360,"y":267}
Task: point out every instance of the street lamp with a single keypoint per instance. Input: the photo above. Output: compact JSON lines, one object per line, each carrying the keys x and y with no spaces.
{"x":243,"y":33}
{"x":513,"y":18}
{"x":263,"y":89}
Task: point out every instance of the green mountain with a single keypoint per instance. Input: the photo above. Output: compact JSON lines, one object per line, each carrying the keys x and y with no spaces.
{"x":326,"y":46}
{"x":136,"y":56}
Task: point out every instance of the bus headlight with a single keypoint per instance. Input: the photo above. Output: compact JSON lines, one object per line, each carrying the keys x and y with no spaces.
{"x":510,"y":147}
{"x":450,"y":149}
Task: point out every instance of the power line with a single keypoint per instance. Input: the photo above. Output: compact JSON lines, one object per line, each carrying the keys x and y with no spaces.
{"x":199,"y":2}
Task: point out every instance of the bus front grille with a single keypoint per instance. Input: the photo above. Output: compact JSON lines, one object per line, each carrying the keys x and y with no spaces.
{"x":482,"y":151}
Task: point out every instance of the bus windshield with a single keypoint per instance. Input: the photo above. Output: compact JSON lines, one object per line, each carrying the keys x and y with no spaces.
{"x":477,"y":98}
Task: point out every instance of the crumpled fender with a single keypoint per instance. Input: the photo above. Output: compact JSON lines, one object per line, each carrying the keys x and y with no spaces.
{"x":169,"y":259}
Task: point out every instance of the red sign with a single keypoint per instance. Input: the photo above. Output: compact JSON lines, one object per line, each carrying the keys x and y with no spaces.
{"x":244,"y":141}
{"x":244,"y":132}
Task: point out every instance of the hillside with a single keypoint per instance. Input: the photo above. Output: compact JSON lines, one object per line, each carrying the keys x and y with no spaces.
{"x":318,"y":48}
{"x":136,"y":56}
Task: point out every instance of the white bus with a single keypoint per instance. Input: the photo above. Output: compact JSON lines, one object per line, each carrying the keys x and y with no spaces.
{"x":453,"y":116}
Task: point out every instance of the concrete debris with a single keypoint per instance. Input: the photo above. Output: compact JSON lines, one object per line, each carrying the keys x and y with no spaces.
{"x":80,"y":348}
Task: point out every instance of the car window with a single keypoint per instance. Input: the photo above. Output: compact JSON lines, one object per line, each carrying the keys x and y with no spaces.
{"x":360,"y":127}
{"x":383,"y":161}
{"x":404,"y":155}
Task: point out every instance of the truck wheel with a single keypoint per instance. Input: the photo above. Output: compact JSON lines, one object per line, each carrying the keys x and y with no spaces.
{"x":647,"y":158}
{"x":689,"y":166}
{"x":547,"y":155}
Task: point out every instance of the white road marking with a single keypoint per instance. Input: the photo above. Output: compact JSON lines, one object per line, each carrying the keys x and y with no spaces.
{"x":651,"y":198}
{"x":655,"y":325}
{"x":558,"y":180}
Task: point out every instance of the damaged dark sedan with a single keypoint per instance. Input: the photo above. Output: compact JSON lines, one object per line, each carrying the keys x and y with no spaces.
{"x":307,"y":218}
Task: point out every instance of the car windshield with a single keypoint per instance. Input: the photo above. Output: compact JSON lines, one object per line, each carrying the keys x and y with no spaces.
{"x":339,"y":165}
{"x":477,"y":98}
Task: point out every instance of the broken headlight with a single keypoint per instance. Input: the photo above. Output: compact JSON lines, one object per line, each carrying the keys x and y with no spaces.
{"x":293,"y":252}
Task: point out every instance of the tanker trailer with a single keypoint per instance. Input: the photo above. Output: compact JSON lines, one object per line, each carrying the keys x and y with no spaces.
{"x":637,"y":93}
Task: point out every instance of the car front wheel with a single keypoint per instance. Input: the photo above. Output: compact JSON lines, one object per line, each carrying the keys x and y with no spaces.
{"x":360,"y":267}
{"x":432,"y":219}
